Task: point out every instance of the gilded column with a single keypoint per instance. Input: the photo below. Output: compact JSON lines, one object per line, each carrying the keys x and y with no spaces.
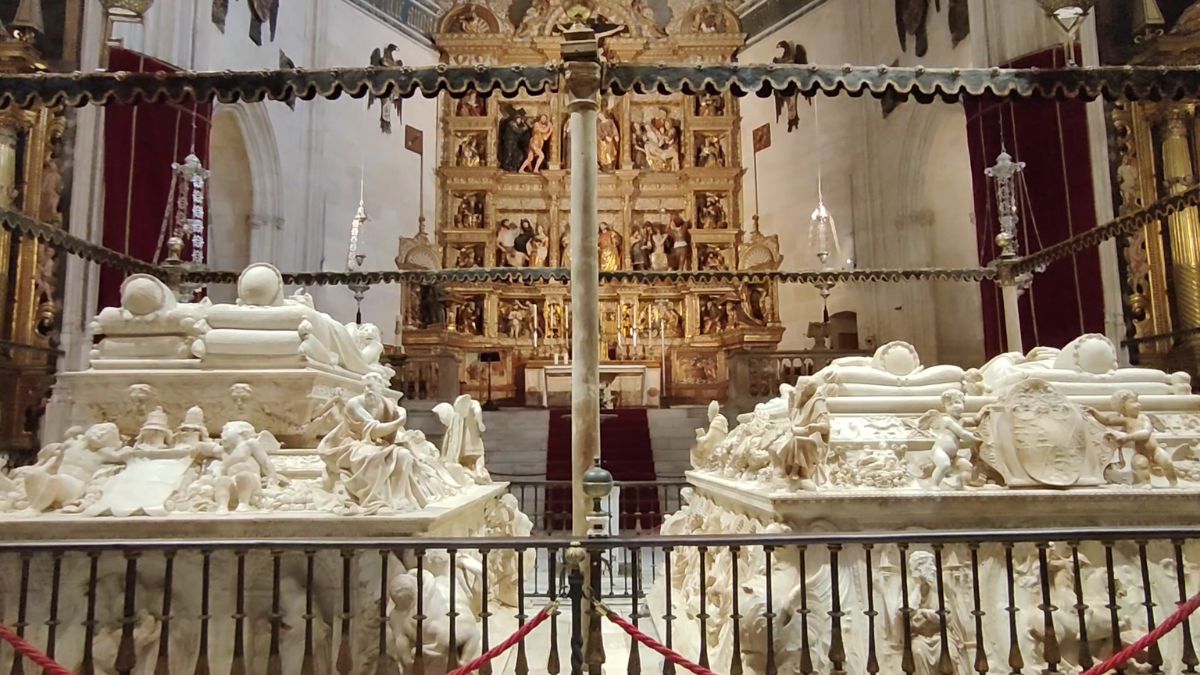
{"x":581,"y":55}
{"x":1184,"y":227}
{"x":10,"y":127}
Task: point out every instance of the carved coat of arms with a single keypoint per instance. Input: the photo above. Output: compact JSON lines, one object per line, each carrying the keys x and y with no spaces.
{"x":1036,"y":437}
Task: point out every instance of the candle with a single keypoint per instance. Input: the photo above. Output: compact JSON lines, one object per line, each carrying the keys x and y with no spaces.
{"x":535,"y":325}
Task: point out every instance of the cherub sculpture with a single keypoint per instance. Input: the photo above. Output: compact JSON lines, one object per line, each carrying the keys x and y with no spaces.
{"x":63,"y":475}
{"x":1136,"y":430}
{"x":243,"y":466}
{"x":950,"y":435}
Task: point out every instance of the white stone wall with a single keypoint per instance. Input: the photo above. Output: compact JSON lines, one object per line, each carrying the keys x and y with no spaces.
{"x":899,"y":188}
{"x":307,"y":162}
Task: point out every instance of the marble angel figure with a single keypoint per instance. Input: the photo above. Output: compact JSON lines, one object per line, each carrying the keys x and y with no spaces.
{"x":367,"y":456}
{"x":64,"y":471}
{"x":708,"y":439}
{"x":244,"y":466}
{"x":950,"y":435}
{"x":462,"y":444}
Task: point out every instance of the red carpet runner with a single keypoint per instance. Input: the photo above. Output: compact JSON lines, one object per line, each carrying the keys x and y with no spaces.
{"x":625,"y":451}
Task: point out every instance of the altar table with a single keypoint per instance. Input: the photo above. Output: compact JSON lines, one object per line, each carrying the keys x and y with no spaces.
{"x":633,"y":384}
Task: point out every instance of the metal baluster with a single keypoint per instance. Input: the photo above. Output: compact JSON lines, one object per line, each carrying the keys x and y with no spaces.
{"x":18,"y":667}
{"x":383,"y":663}
{"x":239,"y":617}
{"x":907,"y":662}
{"x":772,"y":669}
{"x":88,"y":667}
{"x":308,"y":666}
{"x":552,"y":660}
{"x":126,"y":652}
{"x":735,"y":667}
{"x":669,"y":617}
{"x":872,"y":658}
{"x":1015,"y":662}
{"x":419,"y":658}
{"x":981,"y":659}
{"x":1189,"y":659}
{"x":1153,"y":652}
{"x":485,"y":613}
{"x":522,"y":666}
{"x":163,"y":667}
{"x":1050,"y":651}
{"x":274,"y":659}
{"x":944,"y":664}
{"x":806,"y":665}
{"x":1113,"y":606}
{"x":452,"y":612}
{"x":575,"y":560}
{"x":837,"y":651}
{"x":52,"y":622}
{"x":345,"y":659}
{"x":703,"y":615}
{"x":1085,"y":651}
{"x":634,"y":666}
{"x":205,"y":614}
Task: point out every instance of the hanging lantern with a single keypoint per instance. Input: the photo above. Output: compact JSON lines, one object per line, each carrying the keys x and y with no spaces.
{"x":1005,"y":172}
{"x":188,"y":192}
{"x":1068,"y":15}
{"x":822,"y":232}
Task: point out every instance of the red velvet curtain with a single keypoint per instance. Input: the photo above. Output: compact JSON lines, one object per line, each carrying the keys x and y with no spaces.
{"x":1056,"y":202}
{"x":140,"y":144}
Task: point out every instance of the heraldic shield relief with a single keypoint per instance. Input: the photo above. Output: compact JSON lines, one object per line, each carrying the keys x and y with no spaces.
{"x":1034,"y":437}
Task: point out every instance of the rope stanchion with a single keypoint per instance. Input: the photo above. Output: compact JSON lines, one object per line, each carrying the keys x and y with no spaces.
{"x":48,"y":665}
{"x":667,"y":653}
{"x":507,"y":644}
{"x":1119,"y":659}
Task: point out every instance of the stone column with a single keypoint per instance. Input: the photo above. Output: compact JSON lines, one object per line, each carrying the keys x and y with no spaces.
{"x":1184,"y":226}
{"x":581,"y":55}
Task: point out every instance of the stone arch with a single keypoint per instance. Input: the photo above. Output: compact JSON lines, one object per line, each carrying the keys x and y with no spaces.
{"x":266,"y":215}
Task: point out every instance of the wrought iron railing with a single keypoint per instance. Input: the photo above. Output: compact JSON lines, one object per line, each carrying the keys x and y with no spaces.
{"x":1012,"y":601}
{"x":635,"y":508}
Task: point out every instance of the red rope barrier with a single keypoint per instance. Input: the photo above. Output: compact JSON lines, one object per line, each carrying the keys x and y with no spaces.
{"x":1148,"y":639}
{"x":650,"y":642}
{"x":48,"y":666}
{"x":507,"y":644}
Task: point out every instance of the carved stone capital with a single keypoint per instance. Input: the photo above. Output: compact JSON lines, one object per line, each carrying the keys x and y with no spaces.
{"x":582,"y":80}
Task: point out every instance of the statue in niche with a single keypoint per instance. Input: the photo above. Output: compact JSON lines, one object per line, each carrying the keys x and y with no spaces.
{"x":64,"y":471}
{"x":712,"y":260}
{"x":640,"y":246}
{"x":514,"y":137}
{"x":709,"y":19}
{"x":710,"y":105}
{"x":533,"y":16}
{"x":661,"y":249}
{"x":680,"y":243}
{"x":538,"y":246}
{"x":1134,"y":429}
{"x":609,"y":242}
{"x":656,"y":143}
{"x":470,"y":151}
{"x":469,"y":21}
{"x":950,"y":436}
{"x":52,"y":189}
{"x":462,"y":443}
{"x":468,"y":318}
{"x":710,"y":152}
{"x":608,"y":136}
{"x":925,"y":621}
{"x":1129,"y":182}
{"x":469,"y":213}
{"x":673,"y":320}
{"x":512,"y":244}
{"x":790,"y":53}
{"x":539,"y":138}
{"x":472,"y":104}
{"x":564,"y":247}
{"x":517,"y":318}
{"x":467,"y":257}
{"x":755,"y":304}
{"x":712,"y":318}
{"x":710,"y":213}
{"x":244,"y":465}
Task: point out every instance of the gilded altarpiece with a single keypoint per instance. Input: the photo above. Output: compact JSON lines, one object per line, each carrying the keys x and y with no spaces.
{"x":31,"y":182}
{"x":670,"y":198}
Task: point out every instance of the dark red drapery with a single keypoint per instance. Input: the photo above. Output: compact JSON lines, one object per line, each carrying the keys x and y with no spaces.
{"x":1057,"y":201}
{"x":140,"y":144}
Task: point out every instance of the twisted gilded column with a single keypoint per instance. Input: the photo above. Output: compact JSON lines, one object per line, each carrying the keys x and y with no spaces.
{"x":1183,"y":227}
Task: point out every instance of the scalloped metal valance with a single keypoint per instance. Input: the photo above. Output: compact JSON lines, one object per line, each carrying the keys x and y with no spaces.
{"x":922,"y":84}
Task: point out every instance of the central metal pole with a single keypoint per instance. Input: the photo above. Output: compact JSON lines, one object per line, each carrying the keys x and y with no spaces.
{"x":581,"y":57}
